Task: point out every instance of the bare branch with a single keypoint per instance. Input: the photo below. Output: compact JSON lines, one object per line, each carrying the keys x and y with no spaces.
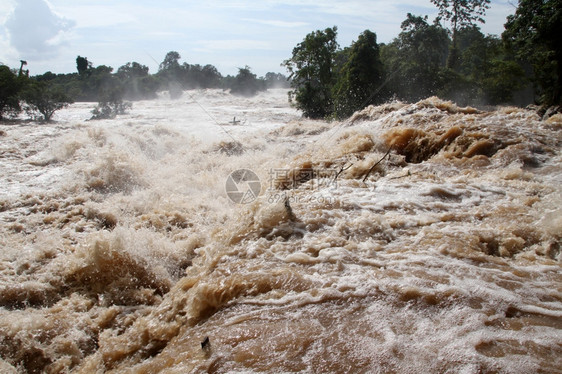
{"x":376,"y":163}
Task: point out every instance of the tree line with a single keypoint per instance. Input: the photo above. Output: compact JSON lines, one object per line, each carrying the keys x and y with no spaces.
{"x":459,"y":63}
{"x":42,"y":95}
{"x":521,"y":67}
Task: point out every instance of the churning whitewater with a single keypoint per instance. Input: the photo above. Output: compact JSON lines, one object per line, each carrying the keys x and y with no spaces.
{"x":124,"y":251}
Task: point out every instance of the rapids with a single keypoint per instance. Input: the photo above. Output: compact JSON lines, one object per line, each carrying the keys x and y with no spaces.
{"x":122,"y":251}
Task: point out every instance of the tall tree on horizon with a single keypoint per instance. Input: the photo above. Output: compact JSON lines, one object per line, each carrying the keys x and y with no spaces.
{"x":9,"y":91}
{"x":171,"y":61}
{"x":360,"y":78}
{"x":415,"y":59}
{"x":533,"y":32}
{"x":83,"y":65}
{"x":311,"y":69}
{"x":461,"y":14}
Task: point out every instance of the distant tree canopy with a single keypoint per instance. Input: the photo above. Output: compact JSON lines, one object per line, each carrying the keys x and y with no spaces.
{"x":82,"y":65}
{"x":46,"y":93}
{"x":462,"y":14}
{"x":360,"y":80}
{"x":9,"y":91}
{"x":415,"y":58}
{"x":276,"y":80}
{"x":171,"y":62}
{"x":533,"y":33}
{"x":426,"y":59}
{"x":311,"y":72}
{"x":42,"y":98}
{"x":246,"y":83}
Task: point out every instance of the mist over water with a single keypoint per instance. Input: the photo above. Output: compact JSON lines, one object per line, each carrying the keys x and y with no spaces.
{"x":121,"y":251}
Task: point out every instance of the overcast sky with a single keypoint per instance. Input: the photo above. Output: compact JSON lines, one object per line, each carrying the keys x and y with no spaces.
{"x":228,"y":34}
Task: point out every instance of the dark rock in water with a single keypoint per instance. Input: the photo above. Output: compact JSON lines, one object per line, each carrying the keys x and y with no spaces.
{"x":549,"y":112}
{"x":206,"y":343}
{"x":545,"y":112}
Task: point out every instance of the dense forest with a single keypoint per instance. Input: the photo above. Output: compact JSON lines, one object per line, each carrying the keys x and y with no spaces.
{"x":43,"y":94}
{"x":459,"y":63}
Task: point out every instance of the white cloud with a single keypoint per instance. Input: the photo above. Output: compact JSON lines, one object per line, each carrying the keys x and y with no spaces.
{"x":35,"y":31}
{"x":87,"y":16}
{"x":5,"y":8}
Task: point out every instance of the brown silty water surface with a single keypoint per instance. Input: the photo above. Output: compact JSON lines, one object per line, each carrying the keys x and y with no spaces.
{"x":121,"y":252}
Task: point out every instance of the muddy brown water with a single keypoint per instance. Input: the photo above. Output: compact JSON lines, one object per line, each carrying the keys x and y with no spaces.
{"x":121,"y":252}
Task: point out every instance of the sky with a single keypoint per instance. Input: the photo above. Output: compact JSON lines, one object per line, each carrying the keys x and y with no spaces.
{"x":49,"y":35}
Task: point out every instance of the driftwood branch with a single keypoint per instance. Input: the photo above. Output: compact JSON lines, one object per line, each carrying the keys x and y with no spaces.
{"x":343,"y":168}
{"x":376,"y":163}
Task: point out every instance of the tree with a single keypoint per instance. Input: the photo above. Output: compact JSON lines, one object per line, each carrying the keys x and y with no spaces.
{"x":110,"y":104}
{"x":246,"y":83}
{"x":360,"y":79}
{"x":491,"y":71}
{"x":83,"y":65}
{"x":415,"y":59}
{"x":136,"y":82}
{"x":96,"y":83}
{"x":311,"y":73}
{"x":533,"y":32}
{"x":461,"y":14}
{"x":210,"y":77}
{"x":171,"y":61}
{"x":173,"y":74}
{"x":9,"y":90}
{"x":22,"y":72}
{"x":44,"y":98}
{"x":132,"y":70}
{"x":276,"y":80}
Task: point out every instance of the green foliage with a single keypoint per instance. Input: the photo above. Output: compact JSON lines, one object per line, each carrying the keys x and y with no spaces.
{"x":461,"y":14}
{"x":202,"y":77}
{"x":132,"y":81}
{"x":491,"y":71}
{"x":170,"y":63}
{"x":533,"y":32}
{"x":456,"y":87}
{"x":360,"y":78}
{"x":311,"y":73}
{"x":246,"y":83}
{"x":111,"y":104}
{"x":97,"y":83}
{"x":276,"y":80}
{"x":171,"y":74}
{"x":136,"y":83}
{"x":132,"y":70}
{"x":174,"y":77}
{"x":44,"y":98}
{"x":503,"y":79}
{"x":415,"y":59}
{"x":9,"y":90}
{"x":416,"y":64}
{"x":82,"y":65}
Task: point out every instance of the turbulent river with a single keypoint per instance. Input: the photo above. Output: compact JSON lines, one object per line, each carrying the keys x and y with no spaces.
{"x":222,"y":234}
